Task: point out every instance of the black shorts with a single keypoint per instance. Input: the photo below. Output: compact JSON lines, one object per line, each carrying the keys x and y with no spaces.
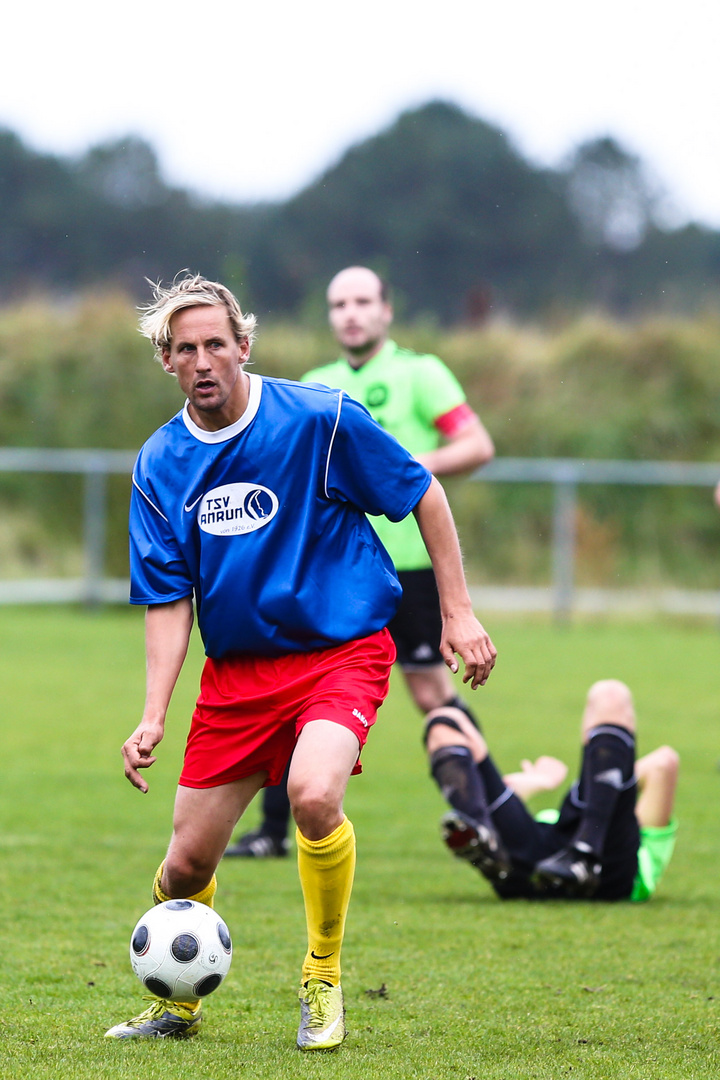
{"x":416,"y":627}
{"x":528,"y":841}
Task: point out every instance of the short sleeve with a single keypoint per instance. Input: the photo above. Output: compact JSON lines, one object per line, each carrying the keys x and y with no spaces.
{"x":436,"y":391}
{"x":368,"y":467}
{"x":158,"y":571}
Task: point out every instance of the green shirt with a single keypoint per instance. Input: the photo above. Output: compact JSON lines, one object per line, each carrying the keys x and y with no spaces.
{"x":405,"y":392}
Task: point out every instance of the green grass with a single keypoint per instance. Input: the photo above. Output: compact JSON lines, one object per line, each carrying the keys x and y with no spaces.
{"x":474,"y":988}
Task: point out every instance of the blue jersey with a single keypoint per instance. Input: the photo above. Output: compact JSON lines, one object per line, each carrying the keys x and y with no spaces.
{"x":264,"y":521}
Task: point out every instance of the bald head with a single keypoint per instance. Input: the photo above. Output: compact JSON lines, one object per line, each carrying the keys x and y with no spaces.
{"x":359,"y":313}
{"x":359,"y":277}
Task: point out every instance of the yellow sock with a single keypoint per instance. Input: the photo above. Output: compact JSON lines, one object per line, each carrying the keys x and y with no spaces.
{"x":205,"y":896}
{"x":326,"y":870}
{"x":159,"y":897}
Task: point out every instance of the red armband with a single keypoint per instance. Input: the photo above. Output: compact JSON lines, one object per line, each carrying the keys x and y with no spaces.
{"x":450,"y":423}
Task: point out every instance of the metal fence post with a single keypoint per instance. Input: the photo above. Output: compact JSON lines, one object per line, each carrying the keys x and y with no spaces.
{"x":94,"y":531}
{"x":563,"y":554}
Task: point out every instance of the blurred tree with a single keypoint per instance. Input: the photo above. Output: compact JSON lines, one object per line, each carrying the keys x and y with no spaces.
{"x":611,"y":194}
{"x":440,"y":203}
{"x":107,"y":216}
{"x":445,"y":201}
{"x":40,"y":218}
{"x":124,"y":172}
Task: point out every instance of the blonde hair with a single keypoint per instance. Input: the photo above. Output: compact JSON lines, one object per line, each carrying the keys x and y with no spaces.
{"x":193,"y":290}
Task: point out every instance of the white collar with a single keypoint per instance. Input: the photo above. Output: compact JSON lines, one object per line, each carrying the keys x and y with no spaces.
{"x":229,"y":432}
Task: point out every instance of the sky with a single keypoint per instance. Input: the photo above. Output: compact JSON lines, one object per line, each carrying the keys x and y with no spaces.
{"x":252,"y":102}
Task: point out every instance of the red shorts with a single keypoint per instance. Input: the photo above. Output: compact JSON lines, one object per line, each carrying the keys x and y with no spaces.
{"x":251,"y":709}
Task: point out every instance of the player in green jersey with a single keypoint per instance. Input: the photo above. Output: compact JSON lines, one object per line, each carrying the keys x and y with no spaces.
{"x":613,"y":835}
{"x":419,"y":400}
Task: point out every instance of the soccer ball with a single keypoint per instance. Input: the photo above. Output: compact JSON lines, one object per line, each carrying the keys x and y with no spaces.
{"x":181,"y":950}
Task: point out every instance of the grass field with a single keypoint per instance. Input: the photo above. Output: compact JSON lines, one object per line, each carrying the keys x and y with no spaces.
{"x":473,"y":988}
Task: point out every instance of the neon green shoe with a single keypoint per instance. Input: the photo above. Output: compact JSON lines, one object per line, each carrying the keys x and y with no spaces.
{"x":161,"y":1020}
{"x":322,"y":1016}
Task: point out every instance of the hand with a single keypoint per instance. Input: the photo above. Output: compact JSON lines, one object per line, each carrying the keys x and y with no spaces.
{"x":546,"y":772}
{"x":716,"y":495}
{"x":137,"y":752}
{"x":465,"y":636}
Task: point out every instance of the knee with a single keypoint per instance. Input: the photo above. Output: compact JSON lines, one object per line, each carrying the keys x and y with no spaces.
{"x":609,"y":701}
{"x":609,"y":693}
{"x":666,"y":760}
{"x":449,"y":726}
{"x":427,"y":697}
{"x":316,"y":808}
{"x":186,"y":873}
{"x":430,"y":687}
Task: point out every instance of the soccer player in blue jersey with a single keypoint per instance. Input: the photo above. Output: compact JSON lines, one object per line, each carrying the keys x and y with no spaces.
{"x":613,"y":835}
{"x":250,"y":507}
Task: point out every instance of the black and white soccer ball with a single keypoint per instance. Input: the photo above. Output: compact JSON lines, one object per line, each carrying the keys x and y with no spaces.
{"x":181,"y":950}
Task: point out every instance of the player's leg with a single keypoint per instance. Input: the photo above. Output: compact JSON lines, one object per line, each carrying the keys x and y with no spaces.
{"x":657,"y":776}
{"x":416,"y":630}
{"x":608,"y":729}
{"x":324,"y":757}
{"x":470,"y":780}
{"x":322,"y":762}
{"x":609,"y":702}
{"x":607,"y":785}
{"x":269,"y":839}
{"x":202,"y":823}
{"x":430,"y":686}
{"x":455,"y":750}
{"x":349,"y":684}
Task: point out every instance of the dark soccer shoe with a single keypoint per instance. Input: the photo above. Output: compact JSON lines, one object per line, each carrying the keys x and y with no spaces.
{"x":258,"y":845}
{"x":570,"y":872}
{"x":477,"y":843}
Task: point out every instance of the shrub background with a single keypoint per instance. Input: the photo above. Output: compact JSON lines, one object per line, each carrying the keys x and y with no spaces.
{"x":80,"y":375}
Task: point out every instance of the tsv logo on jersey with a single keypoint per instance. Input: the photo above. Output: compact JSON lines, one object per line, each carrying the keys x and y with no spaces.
{"x":236,"y":508}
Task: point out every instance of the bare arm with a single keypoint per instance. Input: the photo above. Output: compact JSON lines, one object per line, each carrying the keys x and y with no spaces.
{"x":167,"y":633}
{"x":462,"y":633}
{"x":468,"y":449}
{"x":716,"y":495}
{"x":657,"y":776}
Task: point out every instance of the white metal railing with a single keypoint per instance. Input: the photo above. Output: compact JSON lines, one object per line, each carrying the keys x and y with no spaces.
{"x":564,"y":474}
{"x":94,"y":466}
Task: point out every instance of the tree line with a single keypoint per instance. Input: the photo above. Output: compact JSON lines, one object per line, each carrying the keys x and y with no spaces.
{"x":440,"y":202}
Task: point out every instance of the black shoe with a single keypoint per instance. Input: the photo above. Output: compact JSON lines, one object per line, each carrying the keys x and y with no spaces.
{"x":477,"y":843}
{"x":258,"y":845}
{"x":573,"y":871}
